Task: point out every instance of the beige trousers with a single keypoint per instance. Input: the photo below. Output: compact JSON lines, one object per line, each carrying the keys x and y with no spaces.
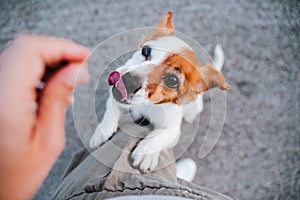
{"x":107,"y":172}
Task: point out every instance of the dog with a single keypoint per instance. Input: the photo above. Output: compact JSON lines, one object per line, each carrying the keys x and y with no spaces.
{"x":163,"y":75}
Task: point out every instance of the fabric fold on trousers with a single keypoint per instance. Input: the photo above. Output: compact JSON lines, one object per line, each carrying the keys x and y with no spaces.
{"x":107,"y":172}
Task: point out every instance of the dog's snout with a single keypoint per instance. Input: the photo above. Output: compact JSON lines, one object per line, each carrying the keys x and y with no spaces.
{"x":131,"y":82}
{"x":124,"y":85}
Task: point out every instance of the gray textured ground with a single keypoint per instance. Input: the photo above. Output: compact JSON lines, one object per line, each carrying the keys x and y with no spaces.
{"x":258,"y":154}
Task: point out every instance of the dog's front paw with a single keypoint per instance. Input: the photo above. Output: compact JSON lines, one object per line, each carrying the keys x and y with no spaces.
{"x":99,"y":138}
{"x":144,"y":157}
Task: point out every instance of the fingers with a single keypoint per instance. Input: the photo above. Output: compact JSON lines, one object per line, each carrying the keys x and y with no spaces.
{"x":29,"y":55}
{"x":52,"y":50}
{"x":24,"y":62}
{"x":55,"y":98}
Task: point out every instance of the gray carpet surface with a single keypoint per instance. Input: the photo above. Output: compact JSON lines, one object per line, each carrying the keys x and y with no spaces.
{"x":258,"y":153}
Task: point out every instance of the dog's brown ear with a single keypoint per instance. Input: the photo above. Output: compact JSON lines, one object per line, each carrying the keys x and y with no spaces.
{"x":211,"y":78}
{"x":164,"y":27}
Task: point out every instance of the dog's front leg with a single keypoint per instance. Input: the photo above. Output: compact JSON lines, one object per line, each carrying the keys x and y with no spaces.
{"x":108,"y":125}
{"x":145,"y":156}
{"x":165,"y":135}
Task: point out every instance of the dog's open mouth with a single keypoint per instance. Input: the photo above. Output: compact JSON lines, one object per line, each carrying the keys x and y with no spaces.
{"x":115,"y":80}
{"x":124,"y":86}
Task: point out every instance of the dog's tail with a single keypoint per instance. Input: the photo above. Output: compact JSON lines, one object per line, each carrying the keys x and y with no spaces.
{"x":218,"y":57}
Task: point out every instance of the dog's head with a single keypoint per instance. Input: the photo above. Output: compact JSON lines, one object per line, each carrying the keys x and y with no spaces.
{"x":164,"y":69}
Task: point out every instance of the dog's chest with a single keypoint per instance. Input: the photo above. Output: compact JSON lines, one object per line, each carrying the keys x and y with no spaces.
{"x":145,"y":114}
{"x":156,"y":114}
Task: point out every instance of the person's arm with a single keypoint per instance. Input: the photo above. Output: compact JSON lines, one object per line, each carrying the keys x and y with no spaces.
{"x":31,"y":132}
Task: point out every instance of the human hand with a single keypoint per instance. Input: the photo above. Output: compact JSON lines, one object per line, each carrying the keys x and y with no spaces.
{"x":31,"y":132}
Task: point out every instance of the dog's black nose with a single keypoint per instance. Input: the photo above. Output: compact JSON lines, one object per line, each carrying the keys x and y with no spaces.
{"x":132,"y":83}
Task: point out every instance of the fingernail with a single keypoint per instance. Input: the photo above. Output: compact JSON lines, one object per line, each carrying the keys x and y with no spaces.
{"x":79,"y":75}
{"x":83,"y":75}
{"x":71,"y":100}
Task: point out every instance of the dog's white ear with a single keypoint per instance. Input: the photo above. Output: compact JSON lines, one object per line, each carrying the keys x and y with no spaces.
{"x":164,"y":27}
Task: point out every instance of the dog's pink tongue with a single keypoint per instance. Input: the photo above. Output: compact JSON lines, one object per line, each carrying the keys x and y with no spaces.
{"x":115,"y":78}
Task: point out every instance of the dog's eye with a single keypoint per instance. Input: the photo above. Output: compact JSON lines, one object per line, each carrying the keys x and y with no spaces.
{"x":146,"y":51}
{"x":171,"y":81}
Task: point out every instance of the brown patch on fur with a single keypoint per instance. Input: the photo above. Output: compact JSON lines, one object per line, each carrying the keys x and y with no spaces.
{"x":212,"y":77}
{"x":193,"y":79}
{"x":164,"y":27}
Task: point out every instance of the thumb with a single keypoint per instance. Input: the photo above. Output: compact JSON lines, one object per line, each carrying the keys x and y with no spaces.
{"x":56,"y":96}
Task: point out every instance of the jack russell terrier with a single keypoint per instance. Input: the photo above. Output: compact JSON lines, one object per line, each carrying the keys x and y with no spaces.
{"x":163,"y":74}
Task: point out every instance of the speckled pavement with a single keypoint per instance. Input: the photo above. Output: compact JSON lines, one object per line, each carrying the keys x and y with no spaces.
{"x":258,"y":153}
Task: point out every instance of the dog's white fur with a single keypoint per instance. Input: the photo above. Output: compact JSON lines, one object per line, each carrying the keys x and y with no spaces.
{"x":166,"y":118}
